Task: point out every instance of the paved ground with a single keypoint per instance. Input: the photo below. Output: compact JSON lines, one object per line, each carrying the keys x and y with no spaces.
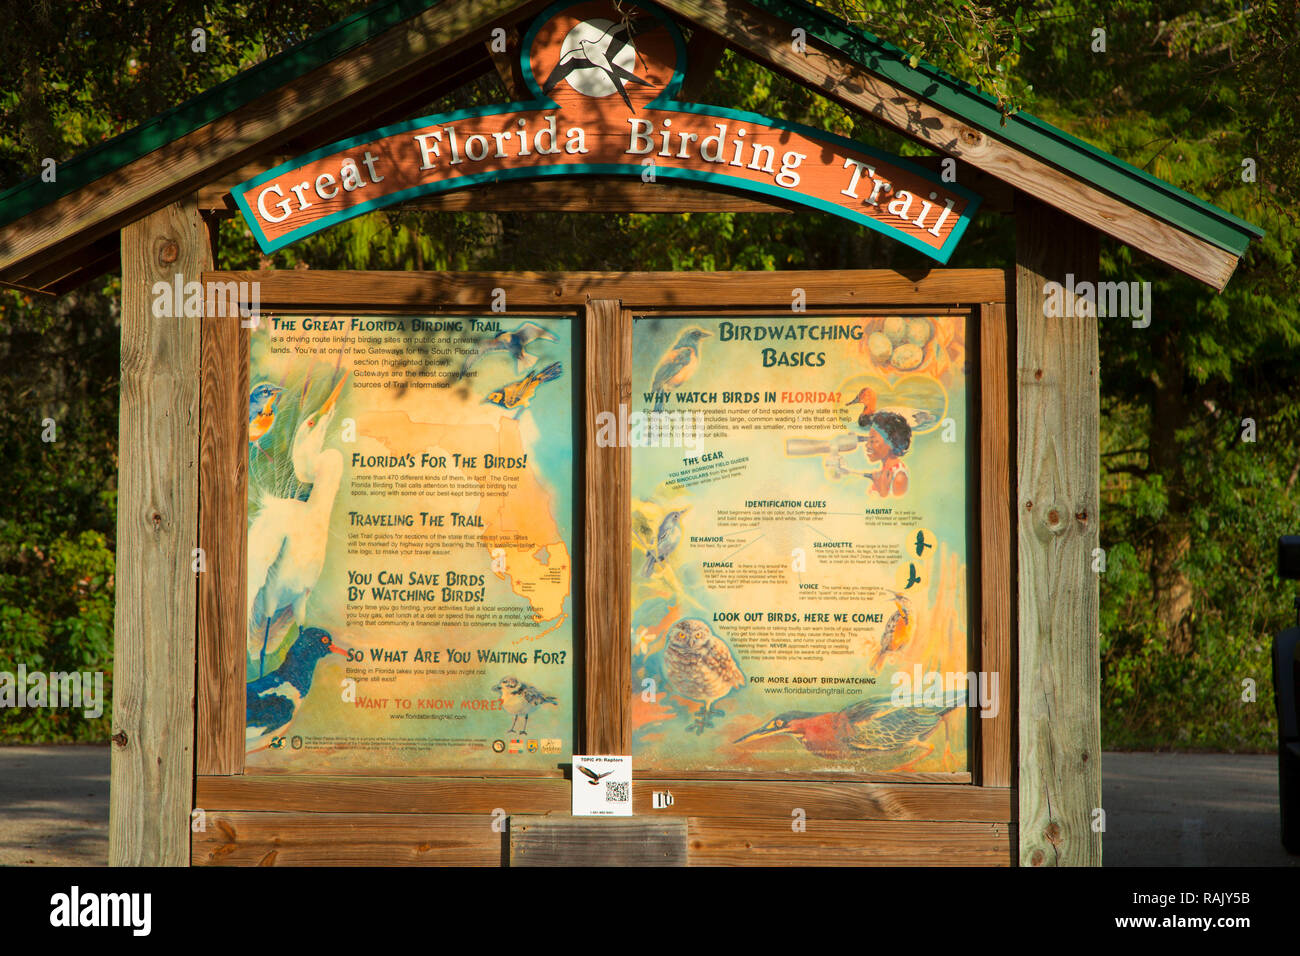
{"x":1191,"y":810}
{"x":1161,"y":809}
{"x":54,"y":806}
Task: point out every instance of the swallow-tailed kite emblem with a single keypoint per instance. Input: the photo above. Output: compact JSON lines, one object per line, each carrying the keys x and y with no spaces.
{"x":599,"y":54}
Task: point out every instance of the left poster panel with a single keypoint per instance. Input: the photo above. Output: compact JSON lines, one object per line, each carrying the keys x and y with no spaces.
{"x":410,"y":542}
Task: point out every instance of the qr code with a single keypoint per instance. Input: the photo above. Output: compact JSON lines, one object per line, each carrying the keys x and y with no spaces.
{"x":617,"y":791}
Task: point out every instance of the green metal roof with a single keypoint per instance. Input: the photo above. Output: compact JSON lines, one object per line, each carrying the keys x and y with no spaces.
{"x":31,"y":194}
{"x":1101,"y":169}
{"x":1106,"y":172}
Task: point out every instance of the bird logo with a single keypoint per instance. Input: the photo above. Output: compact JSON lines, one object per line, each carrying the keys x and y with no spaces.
{"x":921,"y":543}
{"x":598,"y":57}
{"x":898,"y":629}
{"x":272,"y":700}
{"x":595,"y":778}
{"x":700,"y":667}
{"x":678,"y":363}
{"x":518,"y":395}
{"x":862,"y":729}
{"x":519,"y":700}
{"x":515,"y":343}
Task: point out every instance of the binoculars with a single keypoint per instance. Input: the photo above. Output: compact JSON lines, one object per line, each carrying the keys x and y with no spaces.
{"x":839,"y":445}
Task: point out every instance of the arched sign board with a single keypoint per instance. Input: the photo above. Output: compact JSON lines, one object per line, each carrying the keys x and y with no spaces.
{"x":605,"y":88}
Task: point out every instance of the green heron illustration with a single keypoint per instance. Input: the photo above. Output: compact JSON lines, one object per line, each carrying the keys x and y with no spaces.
{"x":861,"y":729}
{"x":700,"y":667}
{"x":898,"y":629}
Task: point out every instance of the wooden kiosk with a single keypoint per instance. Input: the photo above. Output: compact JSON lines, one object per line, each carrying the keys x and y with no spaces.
{"x":330,"y":130}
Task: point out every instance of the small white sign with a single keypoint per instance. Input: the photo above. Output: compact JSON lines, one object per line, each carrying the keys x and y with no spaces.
{"x":602,"y":786}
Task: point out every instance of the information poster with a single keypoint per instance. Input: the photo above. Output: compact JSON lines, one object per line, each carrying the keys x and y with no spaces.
{"x":799,"y":543}
{"x":410,"y":525}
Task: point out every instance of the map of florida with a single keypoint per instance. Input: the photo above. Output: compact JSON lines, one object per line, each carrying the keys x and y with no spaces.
{"x":514,"y":506}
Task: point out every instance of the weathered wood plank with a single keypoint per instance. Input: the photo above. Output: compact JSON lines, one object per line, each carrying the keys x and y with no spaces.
{"x":1058,"y":466}
{"x":182,"y":166}
{"x":839,"y":843}
{"x":348,"y":839}
{"x":997,"y":571}
{"x":609,"y":504}
{"x":767,"y":40}
{"x":312,"y":289}
{"x":597,"y":841}
{"x":153,"y":644}
{"x":313,"y":793}
{"x":223,"y":532}
{"x":320,"y":793}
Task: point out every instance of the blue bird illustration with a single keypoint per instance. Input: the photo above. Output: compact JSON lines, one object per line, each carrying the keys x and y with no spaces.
{"x":261,"y":411}
{"x":516,"y":343}
{"x":272,"y":700}
{"x":678,"y":363}
{"x":669,"y":536}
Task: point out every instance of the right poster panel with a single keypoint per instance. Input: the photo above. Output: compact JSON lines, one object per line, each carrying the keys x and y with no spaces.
{"x":799,"y":542}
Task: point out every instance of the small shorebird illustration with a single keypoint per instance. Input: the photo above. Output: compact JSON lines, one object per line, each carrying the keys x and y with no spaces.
{"x":593,"y":55}
{"x":519,"y":700}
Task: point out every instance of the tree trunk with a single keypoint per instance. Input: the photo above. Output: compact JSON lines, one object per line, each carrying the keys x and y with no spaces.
{"x":1171,"y":538}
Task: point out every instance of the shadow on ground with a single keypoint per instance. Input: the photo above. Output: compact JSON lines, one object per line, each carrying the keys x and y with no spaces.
{"x":54,"y":806}
{"x":1165,"y":809}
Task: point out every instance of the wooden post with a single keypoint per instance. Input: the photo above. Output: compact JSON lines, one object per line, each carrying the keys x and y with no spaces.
{"x":157,"y":529}
{"x":609,"y":583}
{"x":1057,"y":469}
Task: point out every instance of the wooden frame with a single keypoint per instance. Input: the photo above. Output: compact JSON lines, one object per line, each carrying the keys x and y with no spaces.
{"x":443,"y":817}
